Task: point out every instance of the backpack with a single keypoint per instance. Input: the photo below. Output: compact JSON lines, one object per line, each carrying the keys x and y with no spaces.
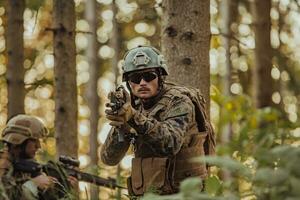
{"x":202,"y":118}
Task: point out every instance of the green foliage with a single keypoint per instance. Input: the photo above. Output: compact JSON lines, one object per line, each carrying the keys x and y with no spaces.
{"x":228,"y":163}
{"x":213,"y":185}
{"x":260,"y":160}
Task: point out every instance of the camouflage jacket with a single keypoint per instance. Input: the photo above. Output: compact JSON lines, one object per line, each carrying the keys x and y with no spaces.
{"x":11,"y":186}
{"x":162,"y":130}
{"x":18,"y":185}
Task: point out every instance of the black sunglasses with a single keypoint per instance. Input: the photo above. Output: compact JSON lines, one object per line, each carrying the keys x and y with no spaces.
{"x":146,"y":76}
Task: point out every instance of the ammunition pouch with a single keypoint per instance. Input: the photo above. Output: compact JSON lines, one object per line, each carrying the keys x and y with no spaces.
{"x":150,"y":175}
{"x":163,"y":175}
{"x":184,"y":168}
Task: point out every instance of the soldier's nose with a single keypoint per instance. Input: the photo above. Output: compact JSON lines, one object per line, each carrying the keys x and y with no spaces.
{"x":143,"y":82}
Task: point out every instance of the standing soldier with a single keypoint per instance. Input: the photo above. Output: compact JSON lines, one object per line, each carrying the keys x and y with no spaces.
{"x":21,"y":139}
{"x":166,"y":124}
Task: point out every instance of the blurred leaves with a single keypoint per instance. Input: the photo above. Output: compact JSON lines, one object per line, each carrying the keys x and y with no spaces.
{"x":213,"y":185}
{"x":226,"y":163}
{"x":260,"y":158}
{"x":34,"y":4}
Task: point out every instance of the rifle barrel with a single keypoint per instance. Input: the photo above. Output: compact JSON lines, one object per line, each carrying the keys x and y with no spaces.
{"x":110,"y":183}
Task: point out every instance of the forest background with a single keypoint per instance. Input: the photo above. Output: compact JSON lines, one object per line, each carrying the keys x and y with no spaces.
{"x":59,"y":59}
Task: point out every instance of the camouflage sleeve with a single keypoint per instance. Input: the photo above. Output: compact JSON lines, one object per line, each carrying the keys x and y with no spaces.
{"x":166,"y":136}
{"x":112,"y":150}
{"x":12,"y":189}
{"x":30,"y":190}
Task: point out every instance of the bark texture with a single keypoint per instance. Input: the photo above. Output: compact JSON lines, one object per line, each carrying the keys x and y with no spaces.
{"x":115,"y":42}
{"x":65,"y":77}
{"x":186,"y":42}
{"x":264,"y":84}
{"x":91,"y":93}
{"x":15,"y":54}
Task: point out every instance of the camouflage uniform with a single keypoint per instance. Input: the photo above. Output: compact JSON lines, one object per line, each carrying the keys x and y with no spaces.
{"x":9,"y":189}
{"x":166,"y":135}
{"x":162,"y":130}
{"x":18,"y":185}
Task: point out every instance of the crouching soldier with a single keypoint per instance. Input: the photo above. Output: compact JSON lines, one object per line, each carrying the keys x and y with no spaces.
{"x":21,"y":139}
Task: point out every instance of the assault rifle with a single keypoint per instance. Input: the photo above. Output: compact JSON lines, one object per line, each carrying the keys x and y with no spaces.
{"x":66,"y":166}
{"x":117,"y":101}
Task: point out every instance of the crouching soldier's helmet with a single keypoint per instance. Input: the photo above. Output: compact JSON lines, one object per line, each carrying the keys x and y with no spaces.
{"x":23,"y":127}
{"x":143,"y":57}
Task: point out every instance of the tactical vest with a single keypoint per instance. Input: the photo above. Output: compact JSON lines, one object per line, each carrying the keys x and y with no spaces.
{"x":164,"y":174}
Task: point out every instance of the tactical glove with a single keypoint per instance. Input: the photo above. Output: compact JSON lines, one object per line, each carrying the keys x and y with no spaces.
{"x":121,"y":116}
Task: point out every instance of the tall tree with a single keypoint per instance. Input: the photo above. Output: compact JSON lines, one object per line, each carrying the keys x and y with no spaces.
{"x":15,"y":51}
{"x":65,"y":77}
{"x":186,"y":45}
{"x":264,"y":84}
{"x":92,"y":90}
{"x":228,"y":15}
{"x":115,"y":41}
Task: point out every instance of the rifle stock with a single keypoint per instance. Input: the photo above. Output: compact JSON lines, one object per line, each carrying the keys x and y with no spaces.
{"x":86,"y":177}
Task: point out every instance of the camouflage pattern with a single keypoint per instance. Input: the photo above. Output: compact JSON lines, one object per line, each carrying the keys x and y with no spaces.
{"x":143,"y":57}
{"x":9,"y":189}
{"x":164,"y":130}
{"x":18,"y":185}
{"x":23,"y":127}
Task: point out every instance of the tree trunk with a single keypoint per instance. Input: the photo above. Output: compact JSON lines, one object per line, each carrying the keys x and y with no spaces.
{"x":263,"y":53}
{"x":92,"y":90}
{"x":186,"y":42}
{"x":15,"y":51}
{"x":116,"y":45}
{"x":65,"y":77}
{"x":229,"y":13}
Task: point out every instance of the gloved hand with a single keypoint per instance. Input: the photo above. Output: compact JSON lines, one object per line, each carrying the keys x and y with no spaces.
{"x":121,"y":116}
{"x":73,"y":181}
{"x":44,"y":182}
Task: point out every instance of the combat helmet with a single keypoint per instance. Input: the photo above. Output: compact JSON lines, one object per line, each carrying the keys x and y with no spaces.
{"x":143,"y":57}
{"x":22,"y":127}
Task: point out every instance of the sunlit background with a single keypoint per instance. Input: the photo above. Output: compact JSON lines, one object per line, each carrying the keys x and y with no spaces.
{"x":140,"y":24}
